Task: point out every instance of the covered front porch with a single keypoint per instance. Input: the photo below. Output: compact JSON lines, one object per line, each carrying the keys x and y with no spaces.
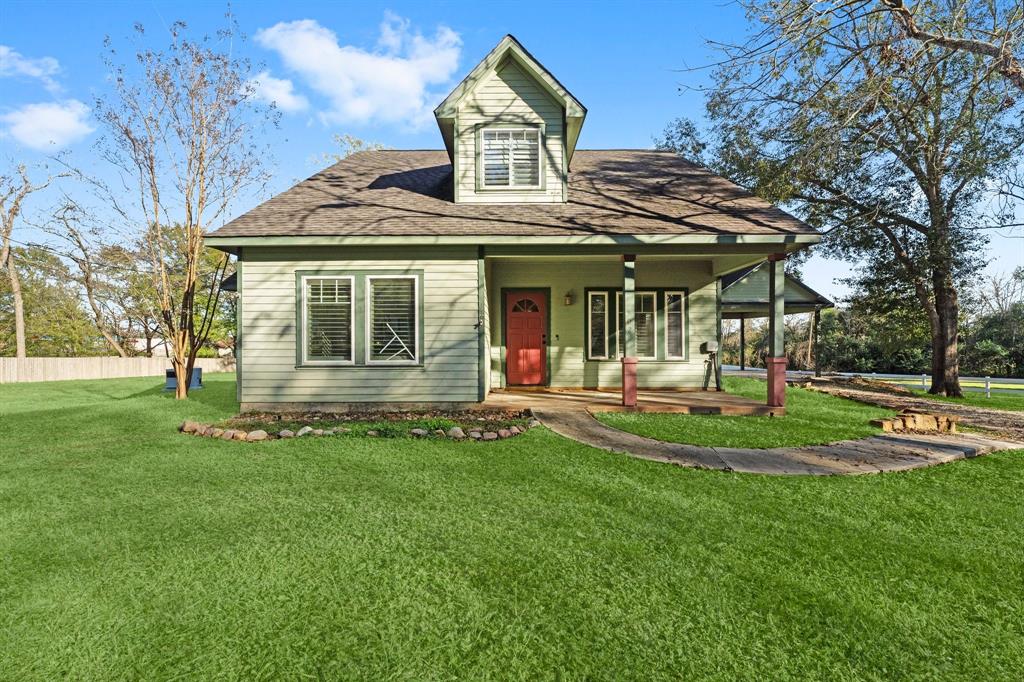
{"x":628,"y":330}
{"x":674,"y":402}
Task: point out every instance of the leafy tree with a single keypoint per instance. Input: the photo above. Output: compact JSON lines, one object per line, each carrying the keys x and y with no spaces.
{"x":349,"y":145}
{"x":15,"y":187}
{"x":894,"y":147}
{"x":57,"y":324}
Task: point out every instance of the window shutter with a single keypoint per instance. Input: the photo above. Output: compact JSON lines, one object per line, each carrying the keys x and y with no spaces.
{"x":511,"y":158}
{"x":525,"y":157}
{"x":496,"y":158}
{"x":645,"y":325}
{"x":329,"y":320}
{"x":392,"y":319}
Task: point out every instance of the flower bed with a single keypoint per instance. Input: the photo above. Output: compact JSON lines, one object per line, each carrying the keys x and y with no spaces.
{"x":476,"y":425}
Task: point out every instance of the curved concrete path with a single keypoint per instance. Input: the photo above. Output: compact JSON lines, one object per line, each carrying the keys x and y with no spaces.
{"x":867,"y":456}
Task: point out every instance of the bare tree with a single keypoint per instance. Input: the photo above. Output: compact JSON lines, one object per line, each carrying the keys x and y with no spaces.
{"x":182,"y":128}
{"x":15,"y":187}
{"x":1002,"y":293}
{"x":86,"y":254}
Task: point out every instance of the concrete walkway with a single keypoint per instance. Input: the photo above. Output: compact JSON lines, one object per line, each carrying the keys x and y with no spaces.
{"x":870,"y":455}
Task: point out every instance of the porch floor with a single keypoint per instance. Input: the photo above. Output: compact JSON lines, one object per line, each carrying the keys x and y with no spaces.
{"x":598,"y":400}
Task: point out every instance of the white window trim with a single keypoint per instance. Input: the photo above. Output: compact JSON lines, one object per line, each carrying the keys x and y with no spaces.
{"x":682,"y":321}
{"x":618,"y":302}
{"x":351,"y":318}
{"x":368,"y":349}
{"x":590,"y":327}
{"x":510,"y":185}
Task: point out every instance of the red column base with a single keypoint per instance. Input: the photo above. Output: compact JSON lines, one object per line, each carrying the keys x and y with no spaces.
{"x":776,"y":382}
{"x":629,"y":382}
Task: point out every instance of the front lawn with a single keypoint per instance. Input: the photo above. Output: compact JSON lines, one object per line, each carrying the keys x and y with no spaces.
{"x":811,"y":419}
{"x":128,"y":550}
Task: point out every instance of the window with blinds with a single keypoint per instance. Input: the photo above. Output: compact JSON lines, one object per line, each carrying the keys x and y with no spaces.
{"x":675,"y":330}
{"x":391,"y":314}
{"x":646,"y":325}
{"x":511,"y":157}
{"x":597,"y":329}
{"x":328,"y":319}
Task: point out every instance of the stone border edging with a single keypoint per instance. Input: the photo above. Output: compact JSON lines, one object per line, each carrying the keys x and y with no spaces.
{"x":258,"y":435}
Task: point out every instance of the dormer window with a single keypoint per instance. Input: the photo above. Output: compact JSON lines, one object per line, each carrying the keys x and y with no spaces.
{"x":511,"y":157}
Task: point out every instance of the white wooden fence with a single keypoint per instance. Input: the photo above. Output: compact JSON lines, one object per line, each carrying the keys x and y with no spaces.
{"x":13,"y":370}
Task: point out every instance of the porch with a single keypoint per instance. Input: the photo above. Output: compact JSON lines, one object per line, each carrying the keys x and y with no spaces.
{"x":610,"y":400}
{"x":619,"y":330}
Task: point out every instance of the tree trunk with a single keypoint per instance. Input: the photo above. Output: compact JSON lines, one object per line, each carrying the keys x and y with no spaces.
{"x":182,"y":359}
{"x":948,"y":308}
{"x":19,"y":307}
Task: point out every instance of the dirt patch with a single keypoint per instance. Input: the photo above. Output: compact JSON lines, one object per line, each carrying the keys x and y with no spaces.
{"x":856,"y":382}
{"x":1003,"y":423}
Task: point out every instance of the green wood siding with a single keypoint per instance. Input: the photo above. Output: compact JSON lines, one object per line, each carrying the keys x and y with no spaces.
{"x":567,"y":336}
{"x":753,"y":287}
{"x":450,"y":362}
{"x":508,"y":97}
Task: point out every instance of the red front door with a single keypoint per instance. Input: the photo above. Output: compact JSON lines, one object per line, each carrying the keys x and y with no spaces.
{"x":526,"y":337}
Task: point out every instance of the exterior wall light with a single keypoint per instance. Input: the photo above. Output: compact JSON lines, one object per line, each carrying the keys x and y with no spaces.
{"x":569,"y":298}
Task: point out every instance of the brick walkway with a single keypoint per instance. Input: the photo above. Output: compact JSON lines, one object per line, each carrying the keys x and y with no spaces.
{"x":870,"y":455}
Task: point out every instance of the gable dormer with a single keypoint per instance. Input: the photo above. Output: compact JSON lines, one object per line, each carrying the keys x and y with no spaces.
{"x":510,"y":129}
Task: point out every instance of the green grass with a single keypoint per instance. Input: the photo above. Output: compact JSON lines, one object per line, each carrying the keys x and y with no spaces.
{"x":998,"y":401}
{"x":130,"y":551}
{"x":810,"y":419}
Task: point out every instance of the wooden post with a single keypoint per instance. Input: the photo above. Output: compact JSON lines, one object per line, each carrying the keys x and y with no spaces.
{"x":776,"y":361}
{"x":814,"y":340}
{"x":629,"y":330}
{"x":743,"y":341}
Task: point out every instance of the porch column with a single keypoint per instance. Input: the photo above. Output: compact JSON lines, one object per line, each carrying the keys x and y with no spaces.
{"x":776,"y":360}
{"x":629,"y":330}
{"x":814,"y":339}
{"x":743,"y":341}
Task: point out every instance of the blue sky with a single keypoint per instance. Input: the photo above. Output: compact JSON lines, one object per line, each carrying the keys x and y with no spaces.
{"x":622,"y":60}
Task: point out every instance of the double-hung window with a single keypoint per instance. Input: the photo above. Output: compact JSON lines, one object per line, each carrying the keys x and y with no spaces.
{"x":646,"y":322}
{"x":391,"y":311}
{"x":675,"y":324}
{"x":359,"y":318}
{"x":597,"y":325}
{"x":511,"y":157}
{"x":660,"y":325}
{"x":327,"y":320}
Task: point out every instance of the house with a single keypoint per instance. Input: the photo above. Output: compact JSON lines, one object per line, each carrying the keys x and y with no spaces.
{"x":510,"y":258}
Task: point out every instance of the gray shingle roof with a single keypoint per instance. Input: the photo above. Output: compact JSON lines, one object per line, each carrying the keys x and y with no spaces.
{"x":611,"y":192}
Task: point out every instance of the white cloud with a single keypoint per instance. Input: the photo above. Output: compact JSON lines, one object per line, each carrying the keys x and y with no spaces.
{"x":48,"y":124}
{"x":388,"y":85}
{"x":13,"y":63}
{"x":279,"y":91}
